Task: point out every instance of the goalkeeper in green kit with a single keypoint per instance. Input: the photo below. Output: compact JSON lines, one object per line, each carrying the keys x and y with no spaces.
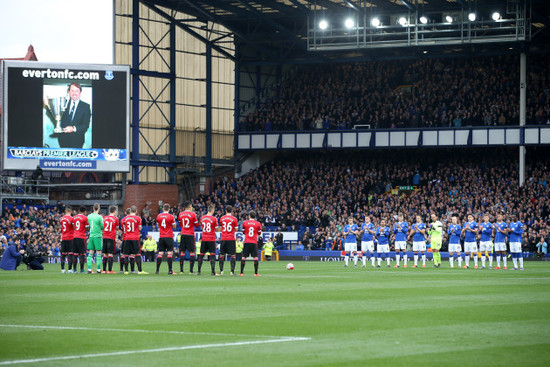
{"x":436,"y":236}
{"x":95,"y":243}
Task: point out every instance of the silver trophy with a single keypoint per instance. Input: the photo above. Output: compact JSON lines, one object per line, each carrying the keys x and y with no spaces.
{"x":57,"y":106}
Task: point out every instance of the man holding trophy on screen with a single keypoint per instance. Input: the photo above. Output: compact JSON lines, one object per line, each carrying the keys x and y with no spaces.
{"x":72,"y":117}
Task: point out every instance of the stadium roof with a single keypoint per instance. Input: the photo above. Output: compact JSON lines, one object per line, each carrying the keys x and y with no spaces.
{"x":276,"y":30}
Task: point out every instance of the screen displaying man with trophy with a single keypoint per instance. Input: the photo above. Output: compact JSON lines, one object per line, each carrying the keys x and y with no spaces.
{"x":71,"y":115}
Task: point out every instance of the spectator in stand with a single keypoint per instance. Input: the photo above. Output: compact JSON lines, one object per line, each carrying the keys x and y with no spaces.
{"x":279,"y":241}
{"x":471,"y":91}
{"x":542,"y":247}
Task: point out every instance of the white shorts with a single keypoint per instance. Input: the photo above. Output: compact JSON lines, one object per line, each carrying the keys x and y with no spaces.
{"x":367,"y":246}
{"x":350,"y":246}
{"x":419,"y":246}
{"x":500,"y":246}
{"x":455,"y":247}
{"x":384,"y":249}
{"x":486,"y":246}
{"x":515,"y":247}
{"x":400,"y":245}
{"x":470,"y":247}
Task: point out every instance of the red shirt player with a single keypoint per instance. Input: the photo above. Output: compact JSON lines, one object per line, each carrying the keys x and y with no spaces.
{"x":166,"y":223}
{"x":110,"y":225}
{"x":67,"y":239}
{"x":80,"y":224}
{"x":131,"y":225}
{"x":252,"y":229}
{"x":188,"y":221}
{"x":229,"y":224}
{"x":209,"y":223}
{"x":123,"y":258}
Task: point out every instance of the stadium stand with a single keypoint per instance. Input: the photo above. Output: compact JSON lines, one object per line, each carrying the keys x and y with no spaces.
{"x":444,"y":92}
{"x":321,"y":190}
{"x":315,"y":194}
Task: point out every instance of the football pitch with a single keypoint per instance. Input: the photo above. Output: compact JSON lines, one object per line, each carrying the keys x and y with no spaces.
{"x":319,"y":314}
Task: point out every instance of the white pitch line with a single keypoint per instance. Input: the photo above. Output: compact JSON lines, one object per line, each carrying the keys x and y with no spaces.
{"x":141,"y":331}
{"x":168,"y":349}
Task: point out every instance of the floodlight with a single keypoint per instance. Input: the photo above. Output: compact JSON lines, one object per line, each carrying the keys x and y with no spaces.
{"x":496,"y":16}
{"x":472,"y":17}
{"x":349,"y":23}
{"x":423,"y":20}
{"x":375,"y":22}
{"x":323,"y":24}
{"x":449,"y":19}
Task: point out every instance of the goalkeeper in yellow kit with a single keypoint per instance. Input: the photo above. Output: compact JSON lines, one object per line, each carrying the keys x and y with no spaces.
{"x":436,"y":238}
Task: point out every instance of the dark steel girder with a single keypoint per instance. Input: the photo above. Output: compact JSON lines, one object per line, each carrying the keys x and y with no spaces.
{"x":300,"y":6}
{"x":187,"y":28}
{"x":289,"y":34}
{"x":408,"y":4}
{"x":241,"y":36}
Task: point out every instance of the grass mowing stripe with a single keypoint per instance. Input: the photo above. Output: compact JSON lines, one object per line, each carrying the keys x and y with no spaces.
{"x":399,"y":317}
{"x":156,"y":350}
{"x":142,"y":331}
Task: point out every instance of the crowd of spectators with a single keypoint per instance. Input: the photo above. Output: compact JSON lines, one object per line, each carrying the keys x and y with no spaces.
{"x":315,"y":194}
{"x":446,"y":92}
{"x":33,"y":227}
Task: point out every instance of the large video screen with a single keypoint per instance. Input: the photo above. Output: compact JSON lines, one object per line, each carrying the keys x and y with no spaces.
{"x":66,"y":117}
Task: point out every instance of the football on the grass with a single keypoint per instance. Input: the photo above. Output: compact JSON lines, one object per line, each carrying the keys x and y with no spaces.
{"x":290,"y":266}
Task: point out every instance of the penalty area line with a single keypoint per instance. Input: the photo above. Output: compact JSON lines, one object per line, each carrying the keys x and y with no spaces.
{"x":156,"y":350}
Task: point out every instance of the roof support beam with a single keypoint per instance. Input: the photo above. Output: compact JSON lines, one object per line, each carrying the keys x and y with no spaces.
{"x":188,"y":29}
{"x":407,"y":4}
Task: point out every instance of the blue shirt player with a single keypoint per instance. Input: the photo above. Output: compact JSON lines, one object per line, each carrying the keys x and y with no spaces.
{"x":419,"y":241}
{"x":486,"y":243}
{"x":501,"y":234}
{"x":470,"y":231}
{"x":367,"y":241}
{"x":383,"y":235}
{"x":516,"y":231}
{"x":400,"y":230}
{"x":454,"y":233}
{"x":350,"y":244}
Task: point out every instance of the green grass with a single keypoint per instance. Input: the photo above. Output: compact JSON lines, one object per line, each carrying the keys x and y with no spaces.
{"x":375,"y":317}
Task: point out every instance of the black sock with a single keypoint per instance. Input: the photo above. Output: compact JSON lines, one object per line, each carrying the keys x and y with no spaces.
{"x":182,"y":259}
{"x":63,"y":256}
{"x":69,"y":261}
{"x":138,"y":262}
{"x":122,"y":262}
{"x":213,"y":264}
{"x":201,"y":256}
{"x":191,"y":262}
{"x":233,"y":264}
{"x":110,"y":261}
{"x":72,"y":261}
{"x":159,"y":261}
{"x":169,"y":261}
{"x":255,"y":266}
{"x":126,"y":262}
{"x":243,"y":261}
{"x":104,"y":262}
{"x":82,"y":261}
{"x":222,"y":259}
{"x":132,"y":263}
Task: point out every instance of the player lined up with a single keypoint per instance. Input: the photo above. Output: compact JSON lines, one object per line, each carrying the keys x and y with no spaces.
{"x":470,"y":232}
{"x":102,"y":237}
